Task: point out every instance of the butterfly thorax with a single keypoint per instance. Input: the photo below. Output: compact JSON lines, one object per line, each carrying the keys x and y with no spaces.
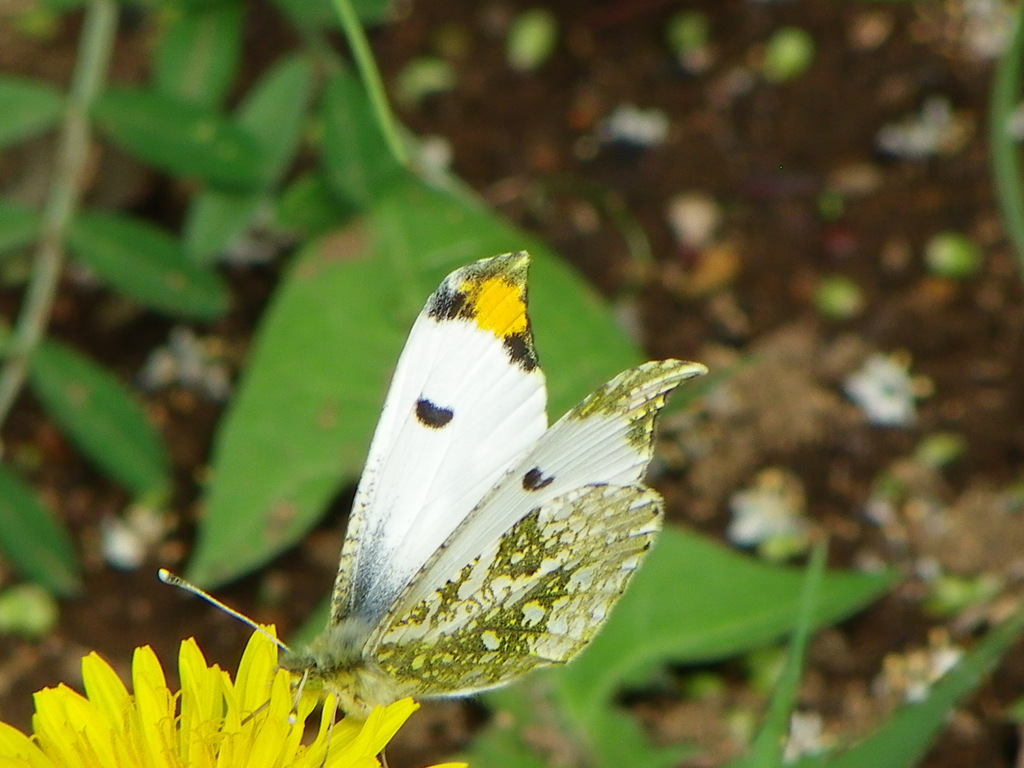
{"x":335,"y":663}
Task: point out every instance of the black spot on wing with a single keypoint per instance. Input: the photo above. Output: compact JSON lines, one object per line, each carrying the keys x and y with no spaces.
{"x":534,"y":480}
{"x":432,"y":415}
{"x":449,"y":304}
{"x":520,"y":349}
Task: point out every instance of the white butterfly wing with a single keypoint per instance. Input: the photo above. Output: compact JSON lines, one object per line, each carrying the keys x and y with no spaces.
{"x":607,"y":439}
{"x":466,"y":400}
{"x":585,"y":475}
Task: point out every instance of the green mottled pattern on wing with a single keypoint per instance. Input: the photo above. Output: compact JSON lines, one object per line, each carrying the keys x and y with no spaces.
{"x":536,"y":596}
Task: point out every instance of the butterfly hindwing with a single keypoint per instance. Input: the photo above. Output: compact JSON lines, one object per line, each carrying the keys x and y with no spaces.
{"x":467,"y":398}
{"x":534,"y":596}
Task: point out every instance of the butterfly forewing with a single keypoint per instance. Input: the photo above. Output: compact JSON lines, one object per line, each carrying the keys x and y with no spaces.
{"x":467,"y":399}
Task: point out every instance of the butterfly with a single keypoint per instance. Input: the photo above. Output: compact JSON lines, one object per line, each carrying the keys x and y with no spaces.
{"x":482,"y":543}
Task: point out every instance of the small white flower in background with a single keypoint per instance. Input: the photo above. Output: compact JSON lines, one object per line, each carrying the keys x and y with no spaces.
{"x":935,"y":130}
{"x":433,"y":155}
{"x":629,"y":124}
{"x":695,"y":218}
{"x":769,"y":515}
{"x":261,"y":241}
{"x":185,"y":360}
{"x":626,"y":312}
{"x":912,"y":674}
{"x":884,"y":390}
{"x":806,"y":736}
{"x":880,"y":510}
{"x":1015,"y":123}
{"x":126,"y":541}
{"x":987,"y":27}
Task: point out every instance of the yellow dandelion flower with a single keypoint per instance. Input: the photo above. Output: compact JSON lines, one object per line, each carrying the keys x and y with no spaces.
{"x":212,"y":722}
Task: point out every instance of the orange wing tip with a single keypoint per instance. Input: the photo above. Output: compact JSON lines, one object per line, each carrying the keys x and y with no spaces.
{"x":498,"y":305}
{"x":491,"y":293}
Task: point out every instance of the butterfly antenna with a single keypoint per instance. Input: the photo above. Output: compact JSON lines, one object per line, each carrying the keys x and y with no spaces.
{"x":176,"y":581}
{"x":255,"y":712}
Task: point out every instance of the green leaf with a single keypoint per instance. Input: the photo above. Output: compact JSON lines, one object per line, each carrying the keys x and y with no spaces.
{"x":147,"y":264}
{"x":506,"y":743}
{"x":215,"y":220}
{"x":692,"y":601}
{"x":309,"y":207}
{"x":101,"y":417}
{"x":19,"y":226}
{"x":28,"y":106}
{"x":32,"y":540}
{"x":181,"y":138}
{"x":301,"y":421}
{"x":197,"y":57}
{"x":728,"y":603}
{"x":502,"y":743}
{"x":769,"y":744}
{"x":274,"y":113}
{"x":358,"y":164}
{"x":903,"y":739}
{"x":319,"y":14}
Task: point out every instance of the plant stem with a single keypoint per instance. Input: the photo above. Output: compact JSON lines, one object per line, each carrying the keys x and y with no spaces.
{"x":371,"y":78}
{"x":1002,"y":145}
{"x":97,"y":40}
